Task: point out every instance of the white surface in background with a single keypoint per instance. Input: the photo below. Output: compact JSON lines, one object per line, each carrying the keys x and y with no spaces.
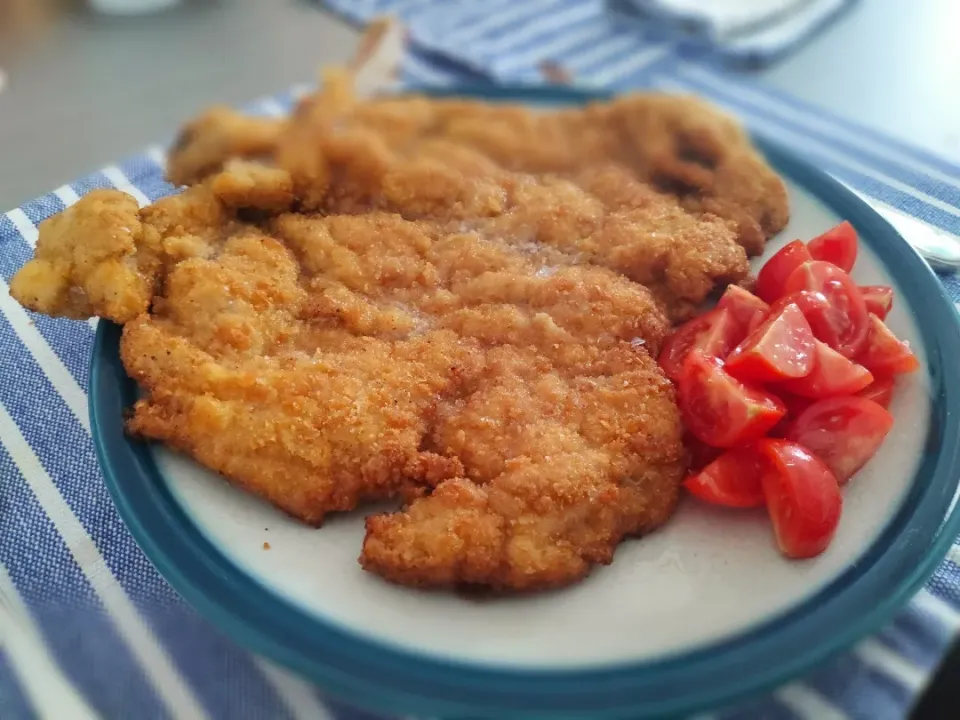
{"x":729,"y":16}
{"x":131,"y":7}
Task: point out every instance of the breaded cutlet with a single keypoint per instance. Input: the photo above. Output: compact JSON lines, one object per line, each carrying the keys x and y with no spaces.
{"x":386,"y":303}
{"x":320,"y":361}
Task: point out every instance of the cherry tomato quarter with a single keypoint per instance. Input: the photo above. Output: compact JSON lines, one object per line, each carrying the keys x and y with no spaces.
{"x":745,"y":307}
{"x":838,"y":246}
{"x":847,"y":321}
{"x":715,"y":333}
{"x":774,"y":273}
{"x":832,"y":375}
{"x":844,"y":432}
{"x":782,"y":347}
{"x":732,"y":480}
{"x":880,"y":391}
{"x":884,"y":353}
{"x":878,"y":299}
{"x":719,"y":409}
{"x":802,"y":497}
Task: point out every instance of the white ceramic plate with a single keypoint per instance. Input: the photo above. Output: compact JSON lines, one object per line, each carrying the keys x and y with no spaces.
{"x":701,"y":611}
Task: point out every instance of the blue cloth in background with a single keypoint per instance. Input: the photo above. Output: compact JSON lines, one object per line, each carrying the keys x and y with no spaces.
{"x":115,"y":633}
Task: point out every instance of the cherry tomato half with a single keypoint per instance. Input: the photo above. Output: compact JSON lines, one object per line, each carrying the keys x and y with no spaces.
{"x":844,"y":432}
{"x":847,"y":320}
{"x":832,"y":375}
{"x":774,"y":273}
{"x":837,"y":245}
{"x":732,"y":480}
{"x":880,"y":391}
{"x":745,"y":307}
{"x":884,"y":354}
{"x":781,"y":348}
{"x":878,"y":299}
{"x":715,"y":333}
{"x":802,"y":497}
{"x":719,"y":409}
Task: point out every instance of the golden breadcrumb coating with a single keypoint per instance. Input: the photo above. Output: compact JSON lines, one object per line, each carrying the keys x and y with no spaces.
{"x":561,"y":458}
{"x":449,"y":303}
{"x":339,"y":150}
{"x":320,"y":361}
{"x":109,"y":273}
{"x":206,"y":143}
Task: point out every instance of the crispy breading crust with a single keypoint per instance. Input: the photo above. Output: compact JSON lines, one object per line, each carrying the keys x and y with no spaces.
{"x":206,"y":144}
{"x":320,"y":361}
{"x":110,"y":274}
{"x":450,"y":303}
{"x":558,"y":470}
{"x":680,"y":145}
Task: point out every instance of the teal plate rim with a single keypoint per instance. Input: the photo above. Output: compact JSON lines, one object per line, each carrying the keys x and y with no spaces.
{"x":383,"y":677}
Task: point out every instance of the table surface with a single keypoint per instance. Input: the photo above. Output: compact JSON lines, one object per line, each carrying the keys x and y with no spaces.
{"x":84,"y":90}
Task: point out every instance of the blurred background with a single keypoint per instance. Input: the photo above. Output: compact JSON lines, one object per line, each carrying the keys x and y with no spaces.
{"x":85,"y":87}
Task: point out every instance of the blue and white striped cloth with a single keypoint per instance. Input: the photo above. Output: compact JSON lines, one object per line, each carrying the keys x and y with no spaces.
{"x":87,"y":626}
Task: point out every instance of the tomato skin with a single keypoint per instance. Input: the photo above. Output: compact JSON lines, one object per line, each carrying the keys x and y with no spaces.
{"x":715,"y":333}
{"x":745,"y":307}
{"x":803,"y":499}
{"x":780,"y":348}
{"x":719,"y":409}
{"x":832,"y":375}
{"x":774,"y":273}
{"x":878,"y":299}
{"x":847,"y":321}
{"x":880,"y":391}
{"x":815,"y":308}
{"x":844,"y":432}
{"x":734,"y":479}
{"x":838,"y":246}
{"x":884,"y":354}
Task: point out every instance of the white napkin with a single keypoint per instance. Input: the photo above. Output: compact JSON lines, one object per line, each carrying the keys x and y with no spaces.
{"x":725,"y":19}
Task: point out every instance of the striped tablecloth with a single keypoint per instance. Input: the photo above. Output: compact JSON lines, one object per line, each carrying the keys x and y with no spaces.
{"x":87,"y":626}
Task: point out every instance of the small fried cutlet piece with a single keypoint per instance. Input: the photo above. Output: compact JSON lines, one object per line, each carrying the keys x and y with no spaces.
{"x":205,"y":144}
{"x":95,"y":258}
{"x":253,"y":186}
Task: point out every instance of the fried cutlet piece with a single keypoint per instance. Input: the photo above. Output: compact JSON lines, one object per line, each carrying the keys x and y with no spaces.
{"x":110,"y":274}
{"x":320,"y":361}
{"x":611,"y":180}
{"x":205,"y":144}
{"x":680,"y":145}
{"x":312,"y":433}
